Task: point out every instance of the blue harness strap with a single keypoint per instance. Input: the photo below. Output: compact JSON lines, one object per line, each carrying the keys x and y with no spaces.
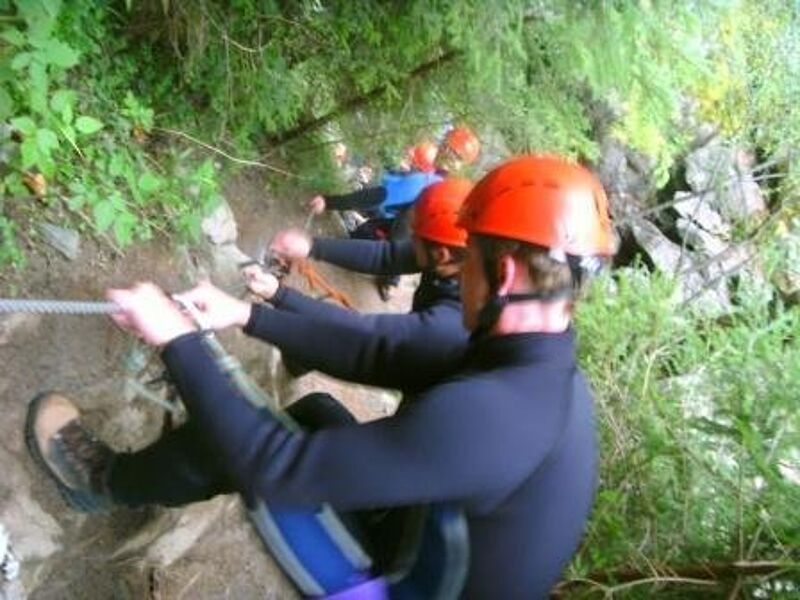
{"x":313,"y":548}
{"x":439,"y":568}
{"x":323,"y":558}
{"x":312,"y":545}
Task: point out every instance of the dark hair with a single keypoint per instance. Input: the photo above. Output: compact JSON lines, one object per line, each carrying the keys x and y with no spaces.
{"x":547,"y":275}
{"x":457,"y":252}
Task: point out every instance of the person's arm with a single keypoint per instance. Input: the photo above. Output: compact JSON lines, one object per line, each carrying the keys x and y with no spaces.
{"x":405,"y":351}
{"x":367,"y":256}
{"x":364,"y":199}
{"x":453,"y":444}
{"x":291,"y":300}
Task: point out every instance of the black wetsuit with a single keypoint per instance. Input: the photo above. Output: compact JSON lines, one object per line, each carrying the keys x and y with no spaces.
{"x":509,"y":436}
{"x":387,"y":207}
{"x":403,"y":351}
{"x":500,"y":433}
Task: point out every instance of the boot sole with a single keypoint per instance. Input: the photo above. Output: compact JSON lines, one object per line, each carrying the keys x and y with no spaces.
{"x":78,"y":500}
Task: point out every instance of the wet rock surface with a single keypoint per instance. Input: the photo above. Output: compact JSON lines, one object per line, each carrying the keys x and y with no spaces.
{"x":206,"y":550}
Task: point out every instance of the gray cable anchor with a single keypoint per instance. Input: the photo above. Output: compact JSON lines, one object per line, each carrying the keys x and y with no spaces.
{"x":9,"y":564}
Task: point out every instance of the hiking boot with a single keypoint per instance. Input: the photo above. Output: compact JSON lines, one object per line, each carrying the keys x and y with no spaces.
{"x":77,"y":461}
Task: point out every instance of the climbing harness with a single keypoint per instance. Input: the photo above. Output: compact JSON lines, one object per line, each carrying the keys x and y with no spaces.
{"x":319,"y":553}
{"x":312,"y":545}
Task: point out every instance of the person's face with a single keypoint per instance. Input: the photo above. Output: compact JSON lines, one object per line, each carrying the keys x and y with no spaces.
{"x":474,"y":286}
{"x":448,"y":160}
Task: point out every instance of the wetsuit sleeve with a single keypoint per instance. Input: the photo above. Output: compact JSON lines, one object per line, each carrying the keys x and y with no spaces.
{"x":403,"y":351}
{"x":364,"y":199}
{"x":445,"y":447}
{"x":290,"y":300}
{"x":367,"y":256}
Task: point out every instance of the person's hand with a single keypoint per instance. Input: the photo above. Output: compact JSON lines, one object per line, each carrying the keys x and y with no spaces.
{"x":317,"y":205}
{"x":291,"y":244}
{"x":218,"y":309}
{"x":260,"y":282}
{"x":146,"y":311}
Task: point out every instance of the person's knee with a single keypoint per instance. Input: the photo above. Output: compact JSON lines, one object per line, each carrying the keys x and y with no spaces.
{"x":318,"y":410}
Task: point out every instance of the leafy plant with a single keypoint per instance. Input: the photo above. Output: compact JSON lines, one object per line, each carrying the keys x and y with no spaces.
{"x":65,"y":156}
{"x":699,"y":433}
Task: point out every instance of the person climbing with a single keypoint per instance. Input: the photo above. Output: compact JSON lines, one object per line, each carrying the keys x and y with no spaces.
{"x":387,"y":206}
{"x":379,"y":346}
{"x":508,"y":435}
{"x":390,"y":350}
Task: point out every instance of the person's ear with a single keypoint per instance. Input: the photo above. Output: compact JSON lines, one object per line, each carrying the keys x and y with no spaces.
{"x":507,"y":272}
{"x":441,"y":255}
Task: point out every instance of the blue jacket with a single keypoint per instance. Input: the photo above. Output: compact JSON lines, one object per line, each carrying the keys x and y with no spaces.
{"x":402,"y":189}
{"x":398,"y":191}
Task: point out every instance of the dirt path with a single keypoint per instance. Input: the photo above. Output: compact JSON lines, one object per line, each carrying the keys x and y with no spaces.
{"x":203,"y":551}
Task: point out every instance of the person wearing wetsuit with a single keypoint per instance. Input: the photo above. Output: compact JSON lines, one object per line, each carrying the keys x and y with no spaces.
{"x":508,"y":435}
{"x":387,"y":206}
{"x":379,"y":346}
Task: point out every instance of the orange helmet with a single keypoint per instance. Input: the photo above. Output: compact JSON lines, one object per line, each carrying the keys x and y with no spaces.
{"x":436,"y":212}
{"x":423,"y":156}
{"x":543,"y":200}
{"x":464,"y":143}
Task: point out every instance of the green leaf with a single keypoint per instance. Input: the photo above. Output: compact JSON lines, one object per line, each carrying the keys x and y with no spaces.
{"x":76,"y":202}
{"x":149,"y":182}
{"x":47,"y":165}
{"x":7,"y":73}
{"x":104,"y":213}
{"x":116,"y":166}
{"x":6,"y":104}
{"x":118,"y":201}
{"x":21,"y":60}
{"x":24,"y":125}
{"x":53,"y":7}
{"x":88,"y":125}
{"x":62,"y":103}
{"x":124,"y":227}
{"x":13,"y":37}
{"x":62,"y":99}
{"x":46,"y":140}
{"x":67,"y":114}
{"x":38,"y":84}
{"x":69,"y":133}
{"x":39,"y":17}
{"x":14,"y":185}
{"x":58,"y":53}
{"x":29,"y":151}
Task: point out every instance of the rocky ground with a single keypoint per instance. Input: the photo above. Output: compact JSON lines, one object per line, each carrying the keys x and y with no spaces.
{"x":207,"y":550}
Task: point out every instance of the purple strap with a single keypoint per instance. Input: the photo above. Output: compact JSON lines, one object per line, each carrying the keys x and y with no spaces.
{"x":374,"y":589}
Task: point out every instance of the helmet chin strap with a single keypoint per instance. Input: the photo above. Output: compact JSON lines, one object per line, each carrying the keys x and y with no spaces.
{"x":491,"y":311}
{"x":579,"y":266}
